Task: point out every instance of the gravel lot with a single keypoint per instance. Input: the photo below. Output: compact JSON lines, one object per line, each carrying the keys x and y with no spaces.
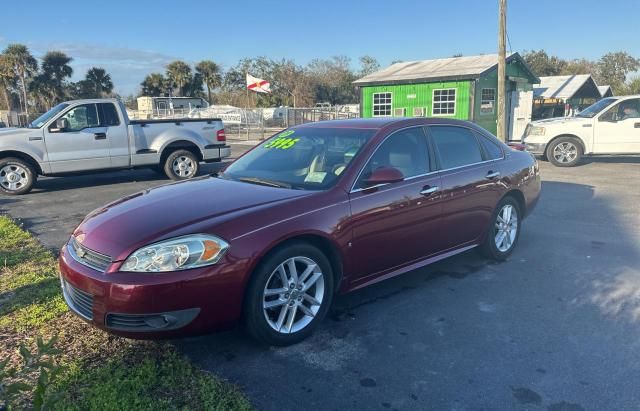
{"x":556,"y":327}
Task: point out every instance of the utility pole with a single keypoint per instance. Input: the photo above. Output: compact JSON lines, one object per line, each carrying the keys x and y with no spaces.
{"x":501,"y":111}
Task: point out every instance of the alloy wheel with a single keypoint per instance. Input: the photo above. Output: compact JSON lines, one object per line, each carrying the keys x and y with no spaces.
{"x":506,"y":228}
{"x":565,"y":152}
{"x":13,"y":177}
{"x":293,"y":294}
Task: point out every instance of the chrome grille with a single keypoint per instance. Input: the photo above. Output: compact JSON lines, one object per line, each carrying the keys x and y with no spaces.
{"x":88,"y":257}
{"x":79,"y":301}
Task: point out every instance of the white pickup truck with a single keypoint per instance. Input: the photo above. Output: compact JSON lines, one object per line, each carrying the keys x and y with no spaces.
{"x":611,"y":126}
{"x":89,"y":135}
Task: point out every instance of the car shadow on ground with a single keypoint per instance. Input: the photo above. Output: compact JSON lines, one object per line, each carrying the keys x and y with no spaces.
{"x":455,"y":320}
{"x":610,"y":160}
{"x":71,"y":182}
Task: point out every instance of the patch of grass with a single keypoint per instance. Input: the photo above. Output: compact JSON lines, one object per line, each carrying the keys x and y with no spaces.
{"x":101,"y":371}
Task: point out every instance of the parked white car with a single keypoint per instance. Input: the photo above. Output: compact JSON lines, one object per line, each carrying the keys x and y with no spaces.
{"x":611,"y":126}
{"x":89,"y":135}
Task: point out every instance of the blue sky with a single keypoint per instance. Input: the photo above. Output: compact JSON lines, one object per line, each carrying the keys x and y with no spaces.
{"x":133,"y":38}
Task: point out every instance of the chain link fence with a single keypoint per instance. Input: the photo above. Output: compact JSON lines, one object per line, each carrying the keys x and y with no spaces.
{"x":252,"y":124}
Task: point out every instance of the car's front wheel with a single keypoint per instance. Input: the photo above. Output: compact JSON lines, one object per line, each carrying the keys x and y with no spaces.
{"x":504,"y":231}
{"x":288,"y":295}
{"x":16,"y":176}
{"x":564,"y":152}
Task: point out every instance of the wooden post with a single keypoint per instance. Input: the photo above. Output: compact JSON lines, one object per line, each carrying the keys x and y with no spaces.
{"x":501,"y":109}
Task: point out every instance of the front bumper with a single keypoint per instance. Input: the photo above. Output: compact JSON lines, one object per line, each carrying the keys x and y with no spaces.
{"x":154,"y":305}
{"x":536,"y":148}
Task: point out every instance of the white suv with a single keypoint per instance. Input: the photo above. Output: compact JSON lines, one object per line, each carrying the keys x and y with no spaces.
{"x":610,"y":126}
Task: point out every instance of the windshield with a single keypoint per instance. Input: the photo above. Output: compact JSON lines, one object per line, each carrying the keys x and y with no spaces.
{"x":40,"y":121}
{"x":307,"y":158}
{"x":595,"y":108}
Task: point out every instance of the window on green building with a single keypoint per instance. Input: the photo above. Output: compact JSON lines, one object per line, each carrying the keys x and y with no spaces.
{"x":444,"y":102}
{"x":487,"y":100}
{"x":382,"y":104}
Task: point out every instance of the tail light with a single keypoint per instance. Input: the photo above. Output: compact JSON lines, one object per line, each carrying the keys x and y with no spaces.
{"x":221,"y":136}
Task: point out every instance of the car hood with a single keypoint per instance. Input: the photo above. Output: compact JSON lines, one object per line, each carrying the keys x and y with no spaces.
{"x":14,"y":132}
{"x":125,"y":225}
{"x":559,"y":120}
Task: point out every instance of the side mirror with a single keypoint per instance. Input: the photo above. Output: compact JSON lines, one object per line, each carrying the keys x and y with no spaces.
{"x":61,"y":125}
{"x":384,"y":175}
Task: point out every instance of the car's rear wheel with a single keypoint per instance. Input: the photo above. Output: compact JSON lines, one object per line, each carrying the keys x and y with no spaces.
{"x":181,"y":165}
{"x":16,"y":176}
{"x":288,"y":295}
{"x":504,"y":232}
{"x":564,"y":152}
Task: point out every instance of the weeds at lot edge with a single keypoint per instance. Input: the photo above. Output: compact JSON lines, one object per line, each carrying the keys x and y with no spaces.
{"x":98,"y":371}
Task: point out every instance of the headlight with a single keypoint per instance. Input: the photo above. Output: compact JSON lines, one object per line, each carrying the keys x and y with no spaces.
{"x":536,"y":131}
{"x":176,"y":254}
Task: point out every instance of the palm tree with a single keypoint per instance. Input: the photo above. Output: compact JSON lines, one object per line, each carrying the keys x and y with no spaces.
{"x":100,"y":80}
{"x":179,"y":73}
{"x":7,"y":79}
{"x":56,"y":69}
{"x":154,"y":85}
{"x":24,"y":66}
{"x":45,"y":91}
{"x":210,"y":73}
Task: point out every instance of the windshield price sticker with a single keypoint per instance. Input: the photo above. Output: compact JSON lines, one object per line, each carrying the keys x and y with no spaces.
{"x":282,"y":143}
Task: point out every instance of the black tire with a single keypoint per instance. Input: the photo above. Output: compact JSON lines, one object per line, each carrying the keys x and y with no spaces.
{"x":255,"y":317}
{"x":569,"y":152}
{"x":22,"y":174}
{"x":184,"y":156}
{"x":489,"y":247}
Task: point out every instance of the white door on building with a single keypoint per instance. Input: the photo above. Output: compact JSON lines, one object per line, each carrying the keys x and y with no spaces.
{"x":519,"y":113}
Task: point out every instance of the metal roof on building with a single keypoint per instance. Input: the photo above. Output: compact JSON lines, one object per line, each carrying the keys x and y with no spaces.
{"x":454,"y":68}
{"x":563,"y":87}
{"x":605,"y":91}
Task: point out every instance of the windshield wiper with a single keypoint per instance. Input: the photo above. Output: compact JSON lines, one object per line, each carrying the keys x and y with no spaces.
{"x":264,"y":182}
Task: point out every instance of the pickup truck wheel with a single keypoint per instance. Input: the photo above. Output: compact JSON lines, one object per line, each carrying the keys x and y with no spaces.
{"x":181,"y":165}
{"x":16,"y":176}
{"x":564,"y":152}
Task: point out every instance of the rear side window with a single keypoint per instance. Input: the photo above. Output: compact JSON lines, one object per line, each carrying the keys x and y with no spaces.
{"x":491,"y":148}
{"x":109,"y":115}
{"x":456,"y":146}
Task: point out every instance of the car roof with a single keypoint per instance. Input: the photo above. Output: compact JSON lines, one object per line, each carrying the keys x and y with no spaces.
{"x":381,"y":122}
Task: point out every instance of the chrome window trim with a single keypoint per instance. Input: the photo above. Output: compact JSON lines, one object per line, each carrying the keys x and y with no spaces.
{"x":355,"y":190}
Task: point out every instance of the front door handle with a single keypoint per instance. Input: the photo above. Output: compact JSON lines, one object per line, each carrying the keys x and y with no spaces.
{"x":100,"y":136}
{"x":493,"y":174}
{"x":636,"y":125}
{"x":428,"y":190}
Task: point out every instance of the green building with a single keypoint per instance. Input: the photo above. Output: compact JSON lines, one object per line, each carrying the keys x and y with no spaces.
{"x":464,"y":88}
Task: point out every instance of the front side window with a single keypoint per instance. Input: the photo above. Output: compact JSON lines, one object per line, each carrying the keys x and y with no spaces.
{"x":307,"y":158}
{"x":81,"y":117}
{"x":487,"y":100}
{"x":40,"y":121}
{"x":405,"y":150}
{"x":626,"y":109}
{"x":444,"y":102}
{"x":382,"y":104}
{"x":456,"y":146}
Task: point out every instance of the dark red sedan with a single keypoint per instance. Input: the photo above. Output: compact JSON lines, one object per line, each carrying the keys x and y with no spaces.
{"x":315,"y":210}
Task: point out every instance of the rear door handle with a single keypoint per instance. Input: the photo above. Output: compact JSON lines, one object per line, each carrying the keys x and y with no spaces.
{"x":100,"y":136}
{"x":493,"y":174}
{"x":428,"y":190}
